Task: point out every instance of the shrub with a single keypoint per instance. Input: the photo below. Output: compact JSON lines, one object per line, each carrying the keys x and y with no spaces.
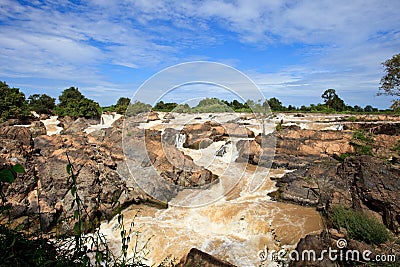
{"x":12,"y":104}
{"x":74,"y":104}
{"x":137,"y":107}
{"x":358,"y":225}
{"x":42,"y":104}
{"x":362,"y":142}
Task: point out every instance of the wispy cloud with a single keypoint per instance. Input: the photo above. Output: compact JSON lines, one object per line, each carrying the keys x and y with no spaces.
{"x":337,"y":43}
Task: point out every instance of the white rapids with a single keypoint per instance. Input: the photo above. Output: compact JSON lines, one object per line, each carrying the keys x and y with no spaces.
{"x":234,"y":228}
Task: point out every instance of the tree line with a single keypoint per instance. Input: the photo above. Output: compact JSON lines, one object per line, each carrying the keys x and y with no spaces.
{"x":74,"y":104}
{"x":13,"y":103}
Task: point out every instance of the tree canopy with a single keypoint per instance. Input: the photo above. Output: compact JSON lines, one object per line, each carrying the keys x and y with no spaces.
{"x":390,"y":82}
{"x":13,"y":103}
{"x":211,"y":105}
{"x":74,"y":104}
{"x":166,"y":107}
{"x":333,"y":101}
{"x":275,"y":104}
{"x":41,"y":104}
{"x":122,"y":105}
{"x":137,"y":107}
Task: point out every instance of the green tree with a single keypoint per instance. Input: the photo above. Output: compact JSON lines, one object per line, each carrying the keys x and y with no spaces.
{"x":41,"y":104}
{"x":137,"y":107}
{"x":166,"y":107}
{"x":211,"y":105}
{"x":74,"y":104}
{"x":13,"y":103}
{"x":122,"y":105}
{"x":369,"y":108}
{"x":183,"y":108}
{"x":332,"y":100}
{"x":275,"y":104}
{"x":390,"y":82}
{"x":358,"y":109}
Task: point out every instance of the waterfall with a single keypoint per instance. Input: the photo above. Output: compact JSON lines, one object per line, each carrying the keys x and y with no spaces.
{"x":106,"y":121}
{"x":180,"y":140}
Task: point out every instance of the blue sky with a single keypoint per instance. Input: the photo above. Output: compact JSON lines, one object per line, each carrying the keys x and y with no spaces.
{"x":292,"y":50}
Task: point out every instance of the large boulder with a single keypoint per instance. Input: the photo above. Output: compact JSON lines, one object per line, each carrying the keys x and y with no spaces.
{"x":172,"y":164}
{"x":321,"y":244}
{"x":78,"y":125}
{"x":37,"y":128}
{"x":201,"y":135}
{"x":22,"y":134}
{"x":152,"y":116}
{"x":45,"y":185}
{"x":362,"y":182}
{"x":199,"y":258}
{"x":293,"y":149}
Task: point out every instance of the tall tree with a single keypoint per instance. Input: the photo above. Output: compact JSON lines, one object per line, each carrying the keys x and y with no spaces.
{"x":42,"y":104}
{"x":275,"y":104}
{"x":74,"y":104}
{"x":390,"y":82}
{"x":12,"y":103}
{"x":332,"y":100}
{"x":122,"y":105}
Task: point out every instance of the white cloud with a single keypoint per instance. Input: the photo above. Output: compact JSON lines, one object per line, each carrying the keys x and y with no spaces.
{"x":343,"y":42}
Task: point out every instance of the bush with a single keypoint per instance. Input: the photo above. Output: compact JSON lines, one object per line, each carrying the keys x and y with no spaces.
{"x":358,"y":225}
{"x":210,"y":105}
{"x":13,"y":103}
{"x":362,"y":142}
{"x":42,"y":104}
{"x":137,"y":107}
{"x":74,"y":104}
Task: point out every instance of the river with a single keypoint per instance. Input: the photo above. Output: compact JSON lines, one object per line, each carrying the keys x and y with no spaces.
{"x":234,"y":228}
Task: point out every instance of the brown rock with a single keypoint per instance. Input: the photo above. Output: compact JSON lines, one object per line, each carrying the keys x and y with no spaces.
{"x":199,"y":258}
{"x":22,"y":134}
{"x":152,"y":116}
{"x":37,"y":128}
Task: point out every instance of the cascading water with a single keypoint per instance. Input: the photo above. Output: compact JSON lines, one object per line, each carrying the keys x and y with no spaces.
{"x":106,"y":121}
{"x":234,"y":228}
{"x":51,"y":125}
{"x":180,"y":140}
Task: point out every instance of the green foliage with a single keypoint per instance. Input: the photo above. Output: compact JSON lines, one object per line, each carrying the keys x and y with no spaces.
{"x":332,"y":100}
{"x":165,"y":107}
{"x":122,"y":105}
{"x":18,"y":249}
{"x":363,"y":136}
{"x":279,"y":127}
{"x":362,"y":142}
{"x":211,"y":105}
{"x":369,"y":108}
{"x":275,"y":104}
{"x":8,"y":175}
{"x":137,"y":107}
{"x":12,"y":104}
{"x":358,"y":225}
{"x":74,"y":104}
{"x":390,"y":82}
{"x":183,"y":108}
{"x":41,"y":104}
{"x":352,"y":119}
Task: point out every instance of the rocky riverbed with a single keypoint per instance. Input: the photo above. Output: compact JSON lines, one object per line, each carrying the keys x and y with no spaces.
{"x":255,"y":190}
